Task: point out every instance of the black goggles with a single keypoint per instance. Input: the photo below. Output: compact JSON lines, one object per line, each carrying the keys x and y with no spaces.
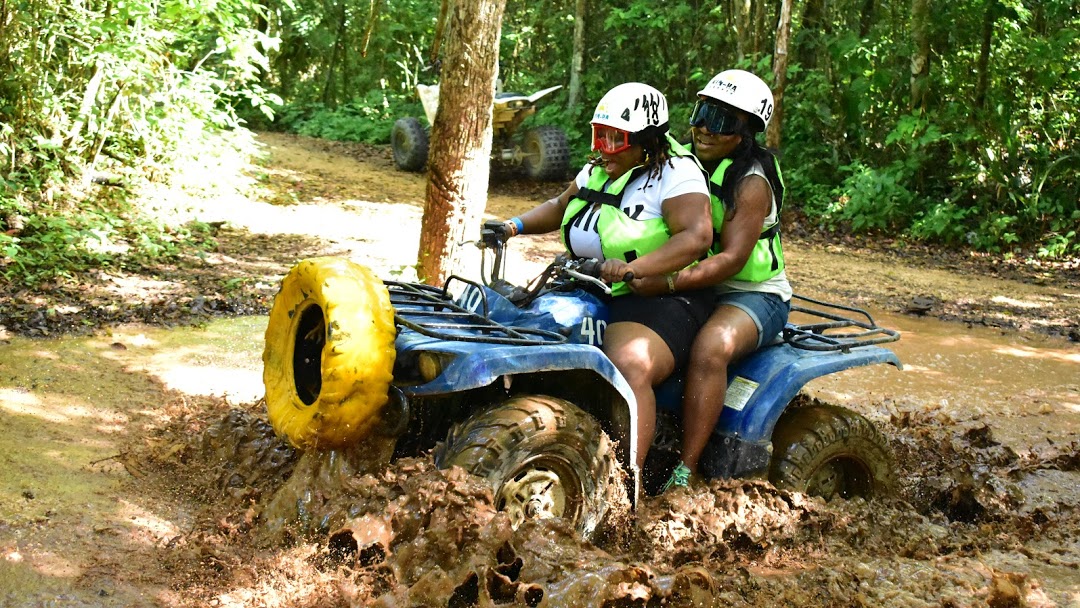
{"x":714,"y":117}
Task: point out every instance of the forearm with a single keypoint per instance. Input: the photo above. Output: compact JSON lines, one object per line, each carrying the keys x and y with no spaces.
{"x":681,"y":250}
{"x":710,"y":271}
{"x":543,"y":218}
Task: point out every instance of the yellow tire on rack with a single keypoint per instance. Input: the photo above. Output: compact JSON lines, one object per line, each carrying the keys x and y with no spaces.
{"x":329,"y":354}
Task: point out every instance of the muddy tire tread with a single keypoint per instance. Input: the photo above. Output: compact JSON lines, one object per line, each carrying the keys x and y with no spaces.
{"x":554,"y":153}
{"x":807,"y":437}
{"x":409,"y":142}
{"x":491,"y":443}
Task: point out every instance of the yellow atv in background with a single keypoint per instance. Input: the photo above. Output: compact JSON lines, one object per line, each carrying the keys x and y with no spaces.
{"x":540,"y":152}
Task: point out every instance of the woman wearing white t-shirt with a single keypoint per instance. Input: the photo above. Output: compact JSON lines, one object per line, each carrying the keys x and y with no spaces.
{"x":642,"y":206}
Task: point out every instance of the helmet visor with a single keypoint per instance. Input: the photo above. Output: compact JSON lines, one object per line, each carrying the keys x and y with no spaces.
{"x":609,"y":140}
{"x":714,"y":117}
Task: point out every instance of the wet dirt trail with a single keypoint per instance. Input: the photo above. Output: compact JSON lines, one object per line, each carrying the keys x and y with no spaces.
{"x":137,"y":468}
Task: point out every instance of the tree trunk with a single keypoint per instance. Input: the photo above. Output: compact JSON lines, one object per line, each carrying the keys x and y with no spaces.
{"x":329,"y":97}
{"x":440,"y":27}
{"x":813,"y":32}
{"x":758,"y":27}
{"x":866,"y":18}
{"x":459,"y":157}
{"x":579,"y":53}
{"x":983,"y":68}
{"x":780,"y":61}
{"x":920,"y":58}
{"x":373,"y":16}
{"x":744,"y":38}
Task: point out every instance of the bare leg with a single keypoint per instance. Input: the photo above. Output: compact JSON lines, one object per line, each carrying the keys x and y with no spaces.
{"x":729,"y":334}
{"x":645,"y":360}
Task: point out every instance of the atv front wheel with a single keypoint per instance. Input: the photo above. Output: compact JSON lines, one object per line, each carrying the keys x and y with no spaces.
{"x":409,"y":142}
{"x":830,"y":451}
{"x":544,"y":457}
{"x":329,"y":353}
{"x":546,"y":153}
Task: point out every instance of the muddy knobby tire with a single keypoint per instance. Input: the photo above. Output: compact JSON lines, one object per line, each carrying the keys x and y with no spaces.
{"x":542,"y":455}
{"x":546,"y":153}
{"x":329,"y":353}
{"x":409,"y":142}
{"x":829,"y":451}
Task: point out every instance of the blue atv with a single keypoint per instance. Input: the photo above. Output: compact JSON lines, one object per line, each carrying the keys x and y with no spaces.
{"x":509,"y":383}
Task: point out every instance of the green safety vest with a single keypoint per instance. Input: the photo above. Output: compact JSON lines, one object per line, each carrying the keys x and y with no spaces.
{"x":621,"y":236}
{"x":767,"y":258}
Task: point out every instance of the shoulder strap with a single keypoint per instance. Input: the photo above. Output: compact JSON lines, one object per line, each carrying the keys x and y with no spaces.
{"x":613,"y":198}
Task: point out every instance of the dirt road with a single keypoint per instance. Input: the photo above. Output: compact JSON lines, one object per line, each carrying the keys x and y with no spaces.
{"x":123,"y":483}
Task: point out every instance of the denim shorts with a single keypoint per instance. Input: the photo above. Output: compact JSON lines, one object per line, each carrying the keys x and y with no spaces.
{"x":768,"y":310}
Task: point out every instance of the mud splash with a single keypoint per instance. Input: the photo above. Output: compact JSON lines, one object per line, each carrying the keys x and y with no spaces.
{"x":975,"y":524}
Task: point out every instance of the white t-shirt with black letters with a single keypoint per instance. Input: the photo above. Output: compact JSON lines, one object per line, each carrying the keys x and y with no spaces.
{"x":642,"y":199}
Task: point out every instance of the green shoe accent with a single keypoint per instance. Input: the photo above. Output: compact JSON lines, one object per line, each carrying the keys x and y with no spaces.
{"x":679,"y":477}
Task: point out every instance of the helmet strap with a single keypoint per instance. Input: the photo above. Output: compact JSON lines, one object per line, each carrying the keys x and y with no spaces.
{"x":650,"y":131}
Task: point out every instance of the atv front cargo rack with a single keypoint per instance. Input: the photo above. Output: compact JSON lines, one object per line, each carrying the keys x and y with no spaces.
{"x":432,"y":311}
{"x":836,"y":332}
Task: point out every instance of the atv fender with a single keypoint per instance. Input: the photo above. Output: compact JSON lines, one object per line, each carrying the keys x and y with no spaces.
{"x":761,"y":385}
{"x":759,"y":390}
{"x":472,"y":365}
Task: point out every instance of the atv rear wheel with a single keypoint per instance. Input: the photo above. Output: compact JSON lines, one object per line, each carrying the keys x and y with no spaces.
{"x":409,"y":142}
{"x":544,"y":457}
{"x":830,"y":451}
{"x":546,"y":153}
{"x":329,"y":354}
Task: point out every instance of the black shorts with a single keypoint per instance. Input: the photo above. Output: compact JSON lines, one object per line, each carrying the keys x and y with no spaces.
{"x":675,"y":318}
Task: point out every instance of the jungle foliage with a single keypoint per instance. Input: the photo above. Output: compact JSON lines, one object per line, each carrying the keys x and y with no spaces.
{"x":952,"y":123}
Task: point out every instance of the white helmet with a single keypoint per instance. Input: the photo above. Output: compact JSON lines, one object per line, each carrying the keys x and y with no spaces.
{"x":632,"y":107}
{"x":743,"y":90}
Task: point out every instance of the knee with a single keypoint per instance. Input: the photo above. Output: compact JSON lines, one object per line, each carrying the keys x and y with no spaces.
{"x":634,"y":366}
{"x":711,"y":353}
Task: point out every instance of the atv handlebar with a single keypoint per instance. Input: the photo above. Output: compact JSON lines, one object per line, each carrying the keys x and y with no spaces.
{"x":557,"y":275}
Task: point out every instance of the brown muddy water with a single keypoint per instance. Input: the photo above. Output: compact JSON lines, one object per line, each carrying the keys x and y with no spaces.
{"x":209,"y":508}
{"x":1026,"y":387}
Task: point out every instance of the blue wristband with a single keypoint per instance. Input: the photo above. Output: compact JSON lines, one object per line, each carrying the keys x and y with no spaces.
{"x":516,"y":221}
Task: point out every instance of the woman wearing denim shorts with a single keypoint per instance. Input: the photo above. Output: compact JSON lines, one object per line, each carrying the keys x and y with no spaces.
{"x":745,"y":265}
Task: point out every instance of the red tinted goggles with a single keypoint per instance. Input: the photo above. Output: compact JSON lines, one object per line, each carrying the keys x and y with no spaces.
{"x":609,"y":140}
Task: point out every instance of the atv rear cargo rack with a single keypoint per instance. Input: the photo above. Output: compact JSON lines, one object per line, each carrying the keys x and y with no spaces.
{"x":832,"y":334}
{"x":432,"y":311}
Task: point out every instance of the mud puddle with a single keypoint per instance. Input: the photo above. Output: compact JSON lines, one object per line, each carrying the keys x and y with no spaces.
{"x":1026,"y":387}
{"x":174,"y":504}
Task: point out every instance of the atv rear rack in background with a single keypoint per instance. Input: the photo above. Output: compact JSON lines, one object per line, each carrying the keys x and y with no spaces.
{"x":832,"y":334}
{"x":432,"y":311}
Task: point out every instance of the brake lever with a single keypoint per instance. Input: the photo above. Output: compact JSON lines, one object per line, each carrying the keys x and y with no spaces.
{"x":490,"y":241}
{"x":595,"y":281}
{"x":588,"y":278}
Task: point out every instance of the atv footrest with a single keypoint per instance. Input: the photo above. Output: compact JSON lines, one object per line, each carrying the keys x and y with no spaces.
{"x":836,"y":332}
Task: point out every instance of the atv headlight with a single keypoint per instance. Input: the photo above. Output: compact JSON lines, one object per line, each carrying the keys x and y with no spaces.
{"x":431,"y":365}
{"x":412,"y":368}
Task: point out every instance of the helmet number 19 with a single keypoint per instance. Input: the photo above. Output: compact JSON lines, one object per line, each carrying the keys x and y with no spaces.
{"x":766,"y":110}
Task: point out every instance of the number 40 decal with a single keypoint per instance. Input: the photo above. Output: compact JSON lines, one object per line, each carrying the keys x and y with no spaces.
{"x":592,"y":330}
